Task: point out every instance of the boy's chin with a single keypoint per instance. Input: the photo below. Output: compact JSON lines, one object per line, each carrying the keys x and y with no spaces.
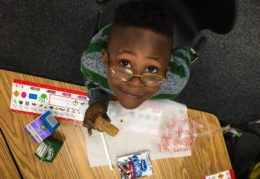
{"x":129,"y":105}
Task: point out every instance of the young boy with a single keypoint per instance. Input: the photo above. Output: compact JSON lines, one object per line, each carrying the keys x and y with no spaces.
{"x":132,"y":59}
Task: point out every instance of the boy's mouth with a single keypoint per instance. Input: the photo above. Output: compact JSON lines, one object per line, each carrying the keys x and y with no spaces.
{"x":131,"y":94}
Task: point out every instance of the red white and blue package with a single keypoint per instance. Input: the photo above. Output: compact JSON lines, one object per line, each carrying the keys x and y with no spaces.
{"x":135,"y":165}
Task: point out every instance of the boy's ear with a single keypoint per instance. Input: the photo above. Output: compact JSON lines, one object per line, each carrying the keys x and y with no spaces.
{"x":104,"y":56}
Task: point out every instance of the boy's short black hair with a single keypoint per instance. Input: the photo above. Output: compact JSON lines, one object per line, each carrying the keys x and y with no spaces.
{"x":148,"y":14}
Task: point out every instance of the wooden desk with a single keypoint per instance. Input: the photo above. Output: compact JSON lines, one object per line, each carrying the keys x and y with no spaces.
{"x":209,"y":155}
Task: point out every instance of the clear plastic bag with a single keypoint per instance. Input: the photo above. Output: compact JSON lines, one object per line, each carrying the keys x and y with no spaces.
{"x":178,"y":135}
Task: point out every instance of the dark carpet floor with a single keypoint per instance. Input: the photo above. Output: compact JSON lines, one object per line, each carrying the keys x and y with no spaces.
{"x":47,"y":39}
{"x":226,"y":79}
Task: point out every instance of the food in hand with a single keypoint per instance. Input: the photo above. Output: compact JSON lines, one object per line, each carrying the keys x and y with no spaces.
{"x":105,"y":126}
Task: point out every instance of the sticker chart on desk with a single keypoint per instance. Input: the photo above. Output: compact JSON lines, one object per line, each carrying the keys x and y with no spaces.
{"x":35,"y":98}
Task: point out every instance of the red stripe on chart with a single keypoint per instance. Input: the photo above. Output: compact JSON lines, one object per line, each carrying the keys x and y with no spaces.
{"x":49,"y":87}
{"x":232,"y":174}
{"x":37,"y":114}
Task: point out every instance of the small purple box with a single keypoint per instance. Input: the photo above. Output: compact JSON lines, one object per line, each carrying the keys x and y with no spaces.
{"x":42,"y":127}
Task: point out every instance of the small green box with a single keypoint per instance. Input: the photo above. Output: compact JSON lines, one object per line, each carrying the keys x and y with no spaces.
{"x":48,"y":149}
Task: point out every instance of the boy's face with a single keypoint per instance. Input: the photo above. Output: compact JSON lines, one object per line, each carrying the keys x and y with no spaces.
{"x":142,"y":51}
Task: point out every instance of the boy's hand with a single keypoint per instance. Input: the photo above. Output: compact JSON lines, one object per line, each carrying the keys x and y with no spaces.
{"x":94,"y":110}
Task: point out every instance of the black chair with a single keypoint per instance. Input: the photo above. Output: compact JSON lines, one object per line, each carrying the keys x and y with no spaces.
{"x":191,"y":17}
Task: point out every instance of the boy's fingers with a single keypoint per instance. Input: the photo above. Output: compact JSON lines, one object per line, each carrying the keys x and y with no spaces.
{"x":90,"y":128}
{"x":89,"y":121}
{"x":89,"y":131}
{"x":89,"y":124}
{"x":86,"y":125}
{"x":105,"y":116}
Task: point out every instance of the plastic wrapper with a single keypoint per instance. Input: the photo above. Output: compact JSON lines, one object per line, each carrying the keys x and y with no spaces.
{"x":135,"y":165}
{"x":177,"y":135}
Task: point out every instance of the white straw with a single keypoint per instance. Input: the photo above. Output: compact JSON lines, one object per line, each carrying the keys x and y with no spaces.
{"x":106,"y":150}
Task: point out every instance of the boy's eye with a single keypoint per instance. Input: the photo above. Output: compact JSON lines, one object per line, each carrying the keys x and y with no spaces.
{"x":125,"y":64}
{"x":152,"y":69}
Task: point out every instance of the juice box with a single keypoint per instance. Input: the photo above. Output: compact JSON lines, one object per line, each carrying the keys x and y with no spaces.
{"x":42,"y":127}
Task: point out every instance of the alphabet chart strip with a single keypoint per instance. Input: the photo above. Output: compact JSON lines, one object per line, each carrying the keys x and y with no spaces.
{"x":34,"y":98}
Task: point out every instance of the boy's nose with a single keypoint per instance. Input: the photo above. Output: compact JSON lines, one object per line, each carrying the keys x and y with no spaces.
{"x":136,"y":80}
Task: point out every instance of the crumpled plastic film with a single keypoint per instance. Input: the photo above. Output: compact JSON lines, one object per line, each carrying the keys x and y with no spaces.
{"x":177,"y":135}
{"x":180,"y":134}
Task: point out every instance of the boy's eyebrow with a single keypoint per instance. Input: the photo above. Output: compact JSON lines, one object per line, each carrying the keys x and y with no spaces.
{"x":153,"y":58}
{"x":127,"y":51}
{"x":132,"y":53}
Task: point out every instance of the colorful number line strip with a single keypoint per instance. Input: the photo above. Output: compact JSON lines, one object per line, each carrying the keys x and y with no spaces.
{"x":23,"y":82}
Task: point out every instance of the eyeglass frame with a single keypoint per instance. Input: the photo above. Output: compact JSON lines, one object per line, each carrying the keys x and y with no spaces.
{"x":141,"y":76}
{"x":113,"y":70}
